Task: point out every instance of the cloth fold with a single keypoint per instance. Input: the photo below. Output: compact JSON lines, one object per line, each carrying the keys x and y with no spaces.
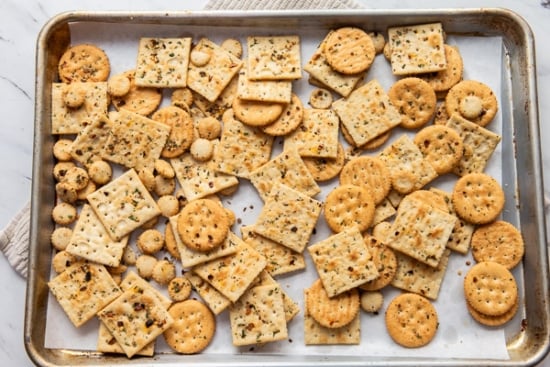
{"x":14,"y":240}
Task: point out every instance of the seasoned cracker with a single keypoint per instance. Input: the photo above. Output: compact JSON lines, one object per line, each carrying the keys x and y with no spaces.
{"x":443,"y":80}
{"x":274,"y":57}
{"x":385,"y":260}
{"x":473,"y":100}
{"x":343,"y":261}
{"x":181,"y":130}
{"x":90,"y":141}
{"x":123,"y":205}
{"x":320,"y":98}
{"x":415,"y":99}
{"x":216,"y":301}
{"x":324,"y":169}
{"x":333,"y":312}
{"x":162,"y":62}
{"x":369,"y":172}
{"x":349,"y":50}
{"x":84,"y":63}
{"x":382,"y":212}
{"x":288,"y":120}
{"x":441,"y":146}
{"x":106,"y":343}
{"x":141,"y":100}
{"x":493,"y":321}
{"x":257,"y":113}
{"x":349,"y":206}
{"x":288,"y":217}
{"x":278,"y":91}
{"x":291,"y":308}
{"x":500,"y":242}
{"x":221,"y":104}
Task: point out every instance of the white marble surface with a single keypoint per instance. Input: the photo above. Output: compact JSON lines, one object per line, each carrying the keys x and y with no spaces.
{"x":20,"y":22}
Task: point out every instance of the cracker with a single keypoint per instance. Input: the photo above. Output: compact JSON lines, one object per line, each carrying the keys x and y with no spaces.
{"x":288,"y":217}
{"x":500,"y":242}
{"x":316,"y":334}
{"x":231,"y":275}
{"x":343,"y":261}
{"x":136,"y":318}
{"x":278,"y":91}
{"x":385,"y":260}
{"x":443,"y":80}
{"x":82,"y":290}
{"x":333,"y":312}
{"x":88,"y":144}
{"x":441,"y":146}
{"x":191,"y":258}
{"x":493,"y":321}
{"x":216,"y":301}
{"x":287,"y":168}
{"x":324,"y":169}
{"x":413,"y":276}
{"x":67,"y":120}
{"x":479,"y":145}
{"x":106,"y":343}
{"x":135,"y":141}
{"x":473,"y":100}
{"x":367,"y":112}
{"x":369,"y":172}
{"x":257,"y":113}
{"x":91,"y":241}
{"x":288,"y":120}
{"x":291,"y":308}
{"x":415,"y":99}
{"x":382,"y":212}
{"x":85,"y":63}
{"x":349,"y":206}
{"x":349,"y":50}
{"x":372,"y":301}
{"x":478,"y":198}
{"x":162,"y":62}
{"x":411,"y":320}
{"x":132,"y":279}
{"x":200,"y":179}
{"x":320,"y":70}
{"x":181,"y":130}
{"x":140,"y":100}
{"x":490,"y":288}
{"x":409,"y":170}
{"x":211,"y":79}
{"x":193,"y":328}
{"x":317,"y":136}
{"x":320,"y":98}
{"x":242,"y":148}
{"x":280,"y":259}
{"x":421,"y":231}
{"x":123,"y":205}
{"x":224,"y":101}
{"x":274,"y":57}
{"x":417,"y":49}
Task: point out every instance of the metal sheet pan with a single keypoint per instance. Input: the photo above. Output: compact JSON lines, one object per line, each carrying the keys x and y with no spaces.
{"x":521,"y":171}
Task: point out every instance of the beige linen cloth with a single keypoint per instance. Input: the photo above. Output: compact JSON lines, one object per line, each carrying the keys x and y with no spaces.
{"x":14,"y":239}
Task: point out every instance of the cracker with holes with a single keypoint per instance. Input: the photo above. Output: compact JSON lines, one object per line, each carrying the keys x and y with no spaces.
{"x":216,"y":301}
{"x":123,"y":205}
{"x":320,"y":70}
{"x":274,"y":57}
{"x":242,"y":148}
{"x":288,"y":169}
{"x":258,"y":317}
{"x":91,"y":106}
{"x":162,"y":62}
{"x":280,"y":259}
{"x":413,"y":276}
{"x":200,"y":179}
{"x":417,"y":49}
{"x":106,"y":343}
{"x":224,"y":101}
{"x":479,"y":145}
{"x":83,"y":290}
{"x":91,"y":241}
{"x":421,"y":231}
{"x":277,"y":91}
{"x":291,"y":308}
{"x":409,"y":170}
{"x":343,"y":261}
{"x":367,"y":113}
{"x":136,"y":318}
{"x":86,"y":148}
{"x":317,"y":136}
{"x":135,"y":141}
{"x":232,"y":275}
{"x":288,"y":217}
{"x":209,"y":80}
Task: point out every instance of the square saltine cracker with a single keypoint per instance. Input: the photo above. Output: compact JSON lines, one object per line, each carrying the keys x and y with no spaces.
{"x":123,"y":205}
{"x":88,"y":144}
{"x":67,"y":120}
{"x":417,"y":49}
{"x":288,"y":169}
{"x":413,"y":276}
{"x":280,"y":259}
{"x":91,"y":241}
{"x":136,"y":318}
{"x":83,"y":290}
{"x":343,"y":261}
{"x":216,"y":301}
{"x":211,"y":79}
{"x":421,"y":231}
{"x":275,"y":91}
{"x":224,"y":101}
{"x":200,"y":179}
{"x":288,"y":218}
{"x":316,"y":334}
{"x":258,"y":317}
{"x":242,"y":148}
{"x":321,"y":71}
{"x":135,"y":141}
{"x":274,"y":57}
{"x":190,"y":257}
{"x":106,"y":343}
{"x":367,"y":113}
{"x":317,"y":135}
{"x":409,"y":170}
{"x":383,"y":211}
{"x":232,"y":275}
{"x":162,"y":62}
{"x":291,"y":308}
{"x":479,"y":145}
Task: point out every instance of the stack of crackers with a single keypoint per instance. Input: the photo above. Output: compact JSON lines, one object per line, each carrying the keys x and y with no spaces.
{"x":132,"y":171}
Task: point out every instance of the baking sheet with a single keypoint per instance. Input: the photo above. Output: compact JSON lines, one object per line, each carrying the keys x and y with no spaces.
{"x":458,"y":336}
